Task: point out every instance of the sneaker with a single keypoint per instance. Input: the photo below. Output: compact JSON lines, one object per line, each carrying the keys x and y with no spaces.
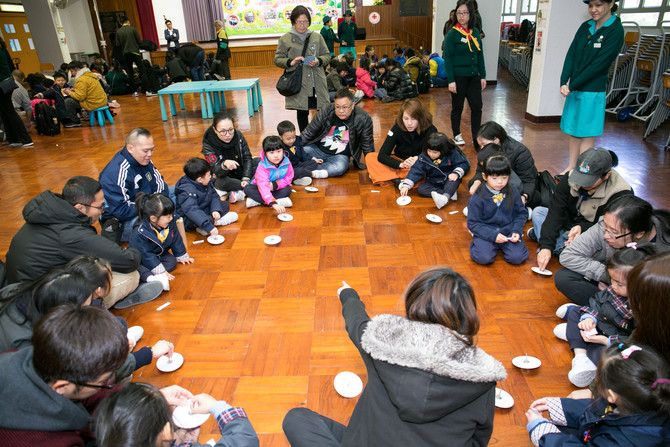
{"x":161,"y":279}
{"x":531,"y":234}
{"x":221,"y":193}
{"x":70,"y":125}
{"x":201,"y":231}
{"x":358,"y":96}
{"x":320,"y":173}
{"x":135,"y":94}
{"x":530,"y":212}
{"x":440,"y":199}
{"x":465,"y":211}
{"x":135,"y":333}
{"x":145,"y":292}
{"x":151,"y":94}
{"x":562,"y":311}
{"x":285,"y":202}
{"x":227,"y":219}
{"x":458,"y":139}
{"x":303,"y":181}
{"x":386,"y":99}
{"x":28,"y":144}
{"x":252,"y":203}
{"x":16,"y":145}
{"x":236,"y":196}
{"x":583,"y":371}
{"x":560,"y":331}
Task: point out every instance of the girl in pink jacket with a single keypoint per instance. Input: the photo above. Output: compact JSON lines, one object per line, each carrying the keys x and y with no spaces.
{"x":272,"y":181}
{"x":363,"y":80}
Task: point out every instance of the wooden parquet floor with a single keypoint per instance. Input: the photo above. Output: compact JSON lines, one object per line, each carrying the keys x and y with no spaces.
{"x":261,"y":326}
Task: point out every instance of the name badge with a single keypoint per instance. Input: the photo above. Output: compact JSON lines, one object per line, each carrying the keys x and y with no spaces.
{"x":597,"y":45}
{"x":464,"y":40}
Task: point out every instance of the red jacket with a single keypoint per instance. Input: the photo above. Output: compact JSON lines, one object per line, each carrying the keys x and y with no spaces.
{"x":364,"y":82}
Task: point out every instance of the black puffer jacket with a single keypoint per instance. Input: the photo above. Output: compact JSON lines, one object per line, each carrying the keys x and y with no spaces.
{"x":216,"y":152}
{"x":361,"y":139}
{"x":399,"y":85}
{"x":55,"y":232}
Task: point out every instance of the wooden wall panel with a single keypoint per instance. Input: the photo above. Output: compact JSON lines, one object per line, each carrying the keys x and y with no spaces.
{"x":129,"y":6}
{"x":415,"y":32}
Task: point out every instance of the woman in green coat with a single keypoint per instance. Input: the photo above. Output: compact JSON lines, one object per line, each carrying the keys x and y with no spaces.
{"x":329,"y":35}
{"x":314,"y":91}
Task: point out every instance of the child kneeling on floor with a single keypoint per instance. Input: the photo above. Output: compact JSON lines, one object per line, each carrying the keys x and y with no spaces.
{"x":443,"y":165}
{"x":496,"y":216}
{"x":303,"y":164}
{"x":631,"y":405}
{"x":608,"y":313}
{"x":198,"y":202}
{"x":155,"y":237}
{"x":272,"y":181}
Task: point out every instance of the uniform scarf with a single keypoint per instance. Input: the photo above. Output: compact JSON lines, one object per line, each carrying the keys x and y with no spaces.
{"x":468,"y":34}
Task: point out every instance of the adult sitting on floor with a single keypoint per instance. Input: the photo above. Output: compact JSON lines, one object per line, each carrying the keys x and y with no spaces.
{"x":87,"y":92}
{"x":338,"y":132}
{"x":627,"y":220}
{"x":129,"y":172}
{"x":579,"y":201}
{"x":403,"y":144}
{"x":59,"y":228}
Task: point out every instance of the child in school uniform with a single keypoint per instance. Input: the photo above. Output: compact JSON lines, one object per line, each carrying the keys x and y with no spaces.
{"x":496,"y":216}
{"x":198,"y":202}
{"x":303,"y":164}
{"x":443,"y":165}
{"x":155,"y":237}
{"x":272,"y":181}
{"x":608,"y":313}
{"x":631,"y":405}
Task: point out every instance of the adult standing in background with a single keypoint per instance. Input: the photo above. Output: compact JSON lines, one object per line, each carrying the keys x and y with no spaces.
{"x":347,"y":32}
{"x":584,"y":77}
{"x":466,"y":72}
{"x":15,"y":131}
{"x":128,"y":41}
{"x":222,"y":50}
{"x":172,"y":36}
{"x":313,"y":93}
{"x":329,"y":35}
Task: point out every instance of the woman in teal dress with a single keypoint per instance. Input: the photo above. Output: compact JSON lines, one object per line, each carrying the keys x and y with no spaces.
{"x":584,"y":76}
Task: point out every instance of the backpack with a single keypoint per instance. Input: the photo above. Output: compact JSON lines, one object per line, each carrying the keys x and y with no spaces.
{"x":46,"y":120}
{"x":546,"y":187}
{"x":423,"y":81}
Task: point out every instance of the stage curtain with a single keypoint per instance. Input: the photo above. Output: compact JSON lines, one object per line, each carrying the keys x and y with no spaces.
{"x":145,"y":9}
{"x":200,"y":16}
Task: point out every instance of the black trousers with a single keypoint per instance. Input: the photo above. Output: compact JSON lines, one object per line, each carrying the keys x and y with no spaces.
{"x":573,"y":285}
{"x":14,"y":128}
{"x":306,"y":428}
{"x":129,"y":59}
{"x":470,"y":88}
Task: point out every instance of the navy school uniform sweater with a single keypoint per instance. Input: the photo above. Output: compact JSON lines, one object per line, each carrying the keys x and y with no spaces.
{"x":196,"y":203}
{"x":295,"y":153}
{"x":145,"y":239}
{"x":437,"y":171}
{"x":486,"y":219}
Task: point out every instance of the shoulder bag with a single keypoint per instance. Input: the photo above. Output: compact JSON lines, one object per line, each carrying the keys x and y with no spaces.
{"x":290,"y":82}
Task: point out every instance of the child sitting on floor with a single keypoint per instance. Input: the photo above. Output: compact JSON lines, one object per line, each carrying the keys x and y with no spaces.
{"x":632,"y":405}
{"x":155,"y":237}
{"x":363,"y":81}
{"x":302,"y":164}
{"x":496,"y":216}
{"x":272,"y":181}
{"x":608,"y":313}
{"x":443,"y":165}
{"x":198,"y":202}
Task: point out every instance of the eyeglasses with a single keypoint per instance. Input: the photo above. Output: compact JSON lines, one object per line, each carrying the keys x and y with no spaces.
{"x":614,"y":236}
{"x":99,"y":208}
{"x":463,"y":14}
{"x":225,"y":131}
{"x":107,"y":386}
{"x":343,"y":108}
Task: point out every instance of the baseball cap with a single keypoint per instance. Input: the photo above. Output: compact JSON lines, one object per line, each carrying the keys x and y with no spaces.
{"x":326,"y":19}
{"x":347,"y":13}
{"x":591,"y":165}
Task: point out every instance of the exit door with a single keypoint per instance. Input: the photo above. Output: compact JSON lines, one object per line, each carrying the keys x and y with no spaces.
{"x":19,"y":40}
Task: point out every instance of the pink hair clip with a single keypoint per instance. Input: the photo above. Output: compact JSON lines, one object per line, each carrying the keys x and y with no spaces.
{"x":658,"y":382}
{"x":630,"y":350}
{"x":632,"y":245}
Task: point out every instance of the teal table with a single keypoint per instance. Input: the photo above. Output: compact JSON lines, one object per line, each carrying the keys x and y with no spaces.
{"x":180,"y":88}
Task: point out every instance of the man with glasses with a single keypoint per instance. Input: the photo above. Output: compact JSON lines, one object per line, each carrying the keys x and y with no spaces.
{"x":579,"y":201}
{"x":338,"y":132}
{"x":59,"y":228}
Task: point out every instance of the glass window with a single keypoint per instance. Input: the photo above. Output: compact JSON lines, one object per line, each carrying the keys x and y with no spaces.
{"x":652,"y":3}
{"x":11,"y":44}
{"x":627,"y":4}
{"x":16,"y":46}
{"x":509,"y":7}
{"x":26,"y":28}
{"x":530,"y":17}
{"x":31,"y":44}
{"x":642,"y":18}
{"x":528,"y":6}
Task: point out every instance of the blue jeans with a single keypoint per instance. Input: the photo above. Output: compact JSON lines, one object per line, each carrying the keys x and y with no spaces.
{"x":438,"y":82}
{"x":197,"y":67}
{"x":538,"y":218}
{"x":380,"y":93}
{"x":335,"y":165}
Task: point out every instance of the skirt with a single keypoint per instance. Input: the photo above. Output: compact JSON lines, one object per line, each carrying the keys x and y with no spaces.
{"x":380,"y":173}
{"x":584,"y":114}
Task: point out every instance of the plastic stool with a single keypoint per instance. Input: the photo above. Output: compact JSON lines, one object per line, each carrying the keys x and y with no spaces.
{"x":101,"y":113}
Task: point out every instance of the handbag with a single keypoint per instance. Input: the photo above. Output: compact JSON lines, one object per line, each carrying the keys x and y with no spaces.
{"x":8,"y":85}
{"x":290,"y":82}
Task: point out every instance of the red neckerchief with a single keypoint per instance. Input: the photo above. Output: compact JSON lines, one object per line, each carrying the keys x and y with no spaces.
{"x":468,"y":34}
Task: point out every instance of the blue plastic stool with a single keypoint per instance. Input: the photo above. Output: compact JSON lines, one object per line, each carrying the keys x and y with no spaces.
{"x":101,"y":113}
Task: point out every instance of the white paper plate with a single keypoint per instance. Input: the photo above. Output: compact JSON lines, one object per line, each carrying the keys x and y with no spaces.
{"x":504,"y":399}
{"x":272,"y":240}
{"x":348,"y":384}
{"x":539,"y":271}
{"x":216,"y":239}
{"x":434,"y":218}
{"x":311,"y":189}
{"x":526,"y":362}
{"x":403,"y":200}
{"x":164,"y":364}
{"x":183,"y":419}
{"x":285,"y":217}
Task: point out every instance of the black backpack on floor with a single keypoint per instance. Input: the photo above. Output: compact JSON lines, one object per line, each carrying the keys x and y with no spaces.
{"x":46,"y":120}
{"x":546,"y":187}
{"x":423,"y":81}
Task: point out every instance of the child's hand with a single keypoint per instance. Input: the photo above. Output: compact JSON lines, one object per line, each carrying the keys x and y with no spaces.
{"x":344,"y":286}
{"x":176,"y":395}
{"x":162,"y":348}
{"x":453,"y":177}
{"x":278,"y":208}
{"x":403,"y":191}
{"x":243,"y":184}
{"x":216,"y":215}
{"x":581,"y":394}
{"x":515,"y":237}
{"x":501,"y":239}
{"x":586,"y":324}
{"x":188,"y":261}
{"x":169,"y":275}
{"x":475,"y":186}
{"x":597,"y":339}
{"x":317,"y":160}
{"x":214,"y":231}
{"x":540,"y":405}
{"x":532,"y":414}
{"x":201,"y":403}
